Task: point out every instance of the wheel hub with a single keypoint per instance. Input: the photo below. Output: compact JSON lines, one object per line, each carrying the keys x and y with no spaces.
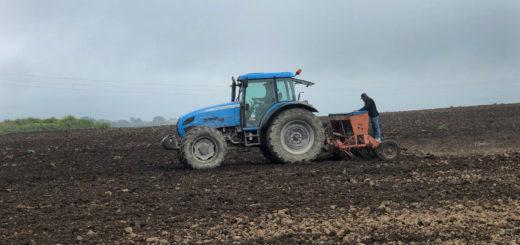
{"x":389,"y":151}
{"x":204,"y":149}
{"x":297,"y":137}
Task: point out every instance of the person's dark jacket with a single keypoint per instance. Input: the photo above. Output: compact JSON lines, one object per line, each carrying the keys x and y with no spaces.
{"x":370,"y":106}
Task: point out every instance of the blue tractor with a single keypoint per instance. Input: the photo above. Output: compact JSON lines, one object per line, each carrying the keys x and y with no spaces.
{"x":265,"y":113}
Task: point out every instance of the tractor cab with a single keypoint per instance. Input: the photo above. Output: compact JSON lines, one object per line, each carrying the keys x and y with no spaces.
{"x":259,"y":93}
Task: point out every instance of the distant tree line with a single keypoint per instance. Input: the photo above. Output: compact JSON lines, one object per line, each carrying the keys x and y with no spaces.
{"x":36,"y":124}
{"x":70,"y":122}
{"x":136,"y":122}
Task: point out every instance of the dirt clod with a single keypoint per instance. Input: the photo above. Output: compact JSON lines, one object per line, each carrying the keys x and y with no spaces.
{"x":152,"y":239}
{"x":163,"y":241}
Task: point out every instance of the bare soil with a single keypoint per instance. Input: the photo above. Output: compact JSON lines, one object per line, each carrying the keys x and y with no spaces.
{"x":455,"y":183}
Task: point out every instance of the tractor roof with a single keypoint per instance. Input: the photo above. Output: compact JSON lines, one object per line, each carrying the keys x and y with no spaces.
{"x":252,"y":76}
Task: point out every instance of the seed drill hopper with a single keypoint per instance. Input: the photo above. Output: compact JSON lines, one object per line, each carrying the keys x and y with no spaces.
{"x":348,"y":137}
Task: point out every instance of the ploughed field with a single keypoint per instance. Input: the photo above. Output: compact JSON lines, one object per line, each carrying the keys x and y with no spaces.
{"x":458,"y":180}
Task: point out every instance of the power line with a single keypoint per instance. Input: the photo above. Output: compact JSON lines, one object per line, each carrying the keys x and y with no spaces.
{"x":97,"y":80}
{"x":116,"y":86}
{"x":158,"y":85}
{"x":111,"y":90}
{"x":102,"y":85}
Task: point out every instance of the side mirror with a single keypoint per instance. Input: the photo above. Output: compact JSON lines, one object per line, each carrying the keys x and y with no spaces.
{"x":300,"y":93}
{"x":245,"y":83}
{"x":233,"y":89}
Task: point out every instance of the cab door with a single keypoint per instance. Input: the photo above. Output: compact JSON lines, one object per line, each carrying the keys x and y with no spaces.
{"x":259,"y":96}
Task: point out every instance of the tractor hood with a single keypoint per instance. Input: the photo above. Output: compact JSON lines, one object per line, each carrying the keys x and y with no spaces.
{"x":217,"y":116}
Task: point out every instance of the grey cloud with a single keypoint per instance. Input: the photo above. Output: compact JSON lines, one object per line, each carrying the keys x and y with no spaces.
{"x":406,"y":54}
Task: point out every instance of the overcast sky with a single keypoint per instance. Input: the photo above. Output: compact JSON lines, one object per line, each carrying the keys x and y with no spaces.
{"x":117,"y":59}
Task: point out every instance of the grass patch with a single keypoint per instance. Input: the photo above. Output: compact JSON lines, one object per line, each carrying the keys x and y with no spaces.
{"x":443,"y":127}
{"x":36,"y":124}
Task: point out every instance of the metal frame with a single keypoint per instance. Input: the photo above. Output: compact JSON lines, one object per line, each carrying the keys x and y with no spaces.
{"x":340,"y":141}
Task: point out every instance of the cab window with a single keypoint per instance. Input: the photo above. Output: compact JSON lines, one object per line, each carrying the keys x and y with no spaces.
{"x":285,"y":90}
{"x":259,"y":97}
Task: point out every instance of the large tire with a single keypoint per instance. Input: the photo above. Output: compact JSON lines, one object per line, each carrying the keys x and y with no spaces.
{"x":388,"y":150}
{"x":295,"y":136}
{"x":203,"y":148}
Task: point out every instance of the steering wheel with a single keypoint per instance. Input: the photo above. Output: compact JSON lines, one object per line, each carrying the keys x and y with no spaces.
{"x":256,"y":102}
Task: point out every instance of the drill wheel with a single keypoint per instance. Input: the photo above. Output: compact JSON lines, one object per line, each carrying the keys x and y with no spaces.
{"x":389,"y":150}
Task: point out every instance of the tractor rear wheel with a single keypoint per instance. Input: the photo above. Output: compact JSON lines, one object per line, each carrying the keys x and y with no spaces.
{"x":388,"y":150}
{"x":295,"y":135}
{"x":203,"y":148}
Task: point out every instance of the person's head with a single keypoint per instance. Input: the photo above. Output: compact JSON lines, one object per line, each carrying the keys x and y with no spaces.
{"x":364,"y":96}
{"x":268,"y":87}
{"x":268,"y":90}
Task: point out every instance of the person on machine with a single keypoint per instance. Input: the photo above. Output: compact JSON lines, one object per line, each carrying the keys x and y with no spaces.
{"x":370,"y":106}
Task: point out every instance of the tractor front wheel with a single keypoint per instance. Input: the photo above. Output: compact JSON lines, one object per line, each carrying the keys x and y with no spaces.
{"x":203,"y":148}
{"x":295,"y":135}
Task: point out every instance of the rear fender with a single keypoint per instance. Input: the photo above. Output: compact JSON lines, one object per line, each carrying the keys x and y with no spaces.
{"x":280,"y":107}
